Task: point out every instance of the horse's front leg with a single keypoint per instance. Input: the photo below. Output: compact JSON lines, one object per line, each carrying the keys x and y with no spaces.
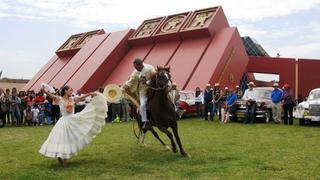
{"x":156,"y":135}
{"x":176,"y":135}
{"x":169,"y":134}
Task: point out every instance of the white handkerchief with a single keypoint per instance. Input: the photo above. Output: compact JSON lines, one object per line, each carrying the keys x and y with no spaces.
{"x":50,"y":89}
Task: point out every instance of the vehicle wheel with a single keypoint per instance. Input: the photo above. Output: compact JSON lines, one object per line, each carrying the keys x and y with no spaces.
{"x":267,"y":116}
{"x":302,"y":122}
{"x":233,"y":118}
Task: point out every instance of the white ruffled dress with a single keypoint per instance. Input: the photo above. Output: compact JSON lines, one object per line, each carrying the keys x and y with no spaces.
{"x":74,"y":131}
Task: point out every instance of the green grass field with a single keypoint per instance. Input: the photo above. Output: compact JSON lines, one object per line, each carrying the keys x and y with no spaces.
{"x":229,"y":151}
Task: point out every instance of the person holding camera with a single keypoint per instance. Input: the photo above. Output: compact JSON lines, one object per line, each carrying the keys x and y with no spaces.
{"x":14,"y":107}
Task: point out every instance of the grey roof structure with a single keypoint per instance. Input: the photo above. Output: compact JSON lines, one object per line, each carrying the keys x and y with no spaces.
{"x":253,"y":48}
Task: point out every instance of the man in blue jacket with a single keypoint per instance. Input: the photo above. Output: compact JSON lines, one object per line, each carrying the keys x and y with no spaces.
{"x":276,"y":97}
{"x":231,"y":106}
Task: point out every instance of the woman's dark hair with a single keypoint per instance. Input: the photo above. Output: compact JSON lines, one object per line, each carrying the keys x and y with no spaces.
{"x":64,"y":89}
{"x":21,"y":94}
{"x":198,"y":91}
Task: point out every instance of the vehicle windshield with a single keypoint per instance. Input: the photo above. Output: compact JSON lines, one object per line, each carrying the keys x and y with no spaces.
{"x":314,"y":95}
{"x":264,"y":93}
{"x":186,"y":96}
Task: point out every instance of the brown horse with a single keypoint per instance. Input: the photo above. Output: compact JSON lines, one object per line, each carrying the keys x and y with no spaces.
{"x":162,"y":111}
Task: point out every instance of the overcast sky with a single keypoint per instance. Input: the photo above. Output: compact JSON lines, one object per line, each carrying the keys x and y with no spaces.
{"x":32,"y":30}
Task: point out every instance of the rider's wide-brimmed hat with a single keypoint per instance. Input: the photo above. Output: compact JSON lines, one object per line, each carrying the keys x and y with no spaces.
{"x":113,"y":93}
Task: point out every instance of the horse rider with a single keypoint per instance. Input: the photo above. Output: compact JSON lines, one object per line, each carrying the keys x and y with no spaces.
{"x":137,"y":84}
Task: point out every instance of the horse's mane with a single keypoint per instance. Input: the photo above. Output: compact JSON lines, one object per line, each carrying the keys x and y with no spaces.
{"x":159,"y":68}
{"x":152,"y":82}
{"x":165,"y":68}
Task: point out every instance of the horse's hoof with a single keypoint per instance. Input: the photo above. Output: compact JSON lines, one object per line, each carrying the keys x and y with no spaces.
{"x":167,"y":148}
{"x":143,"y":144}
{"x":186,"y":155}
{"x":141,"y":138}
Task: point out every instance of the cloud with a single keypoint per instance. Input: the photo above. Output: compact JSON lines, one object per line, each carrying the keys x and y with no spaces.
{"x":3,"y":5}
{"x":303,"y":50}
{"x":314,"y":26}
{"x":103,"y":12}
{"x":257,"y":10}
{"x":250,"y":30}
{"x":252,"y":18}
{"x":20,"y":64}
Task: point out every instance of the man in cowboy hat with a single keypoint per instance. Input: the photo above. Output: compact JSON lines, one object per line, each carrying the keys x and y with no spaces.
{"x":250,"y":95}
{"x":276,"y":97}
{"x":137,"y":84}
{"x":208,"y":102}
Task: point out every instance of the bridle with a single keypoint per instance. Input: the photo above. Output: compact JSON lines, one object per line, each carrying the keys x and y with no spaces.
{"x":161,"y":88}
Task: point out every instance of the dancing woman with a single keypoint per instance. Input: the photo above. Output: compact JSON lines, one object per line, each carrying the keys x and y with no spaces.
{"x":74,"y":131}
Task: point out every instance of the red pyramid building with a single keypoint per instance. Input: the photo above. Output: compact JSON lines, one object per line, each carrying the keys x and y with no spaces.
{"x":199,"y":46}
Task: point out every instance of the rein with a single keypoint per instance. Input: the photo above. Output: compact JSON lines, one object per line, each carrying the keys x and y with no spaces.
{"x":157,"y":88}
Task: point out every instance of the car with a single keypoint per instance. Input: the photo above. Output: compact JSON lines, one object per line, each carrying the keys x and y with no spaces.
{"x":263,"y":109}
{"x":187,"y":106}
{"x":309,"y":110}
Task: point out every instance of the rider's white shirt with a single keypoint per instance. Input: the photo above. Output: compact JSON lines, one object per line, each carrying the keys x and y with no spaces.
{"x":134,"y":81}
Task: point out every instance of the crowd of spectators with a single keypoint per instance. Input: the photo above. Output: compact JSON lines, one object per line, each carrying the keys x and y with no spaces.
{"x":217,"y":102}
{"x":37,"y":109}
{"x":223,"y":103}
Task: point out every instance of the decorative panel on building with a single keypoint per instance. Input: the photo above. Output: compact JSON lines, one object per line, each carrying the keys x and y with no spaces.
{"x":75,"y":43}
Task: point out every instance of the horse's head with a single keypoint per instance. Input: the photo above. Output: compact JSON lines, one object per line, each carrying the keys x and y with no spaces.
{"x":163,"y":77}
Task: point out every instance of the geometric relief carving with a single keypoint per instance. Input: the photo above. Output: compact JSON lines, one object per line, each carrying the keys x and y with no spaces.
{"x":76,"y":42}
{"x":72,"y":41}
{"x":200,"y":19}
{"x":84,"y":41}
{"x":147,"y":29}
{"x":173,"y":24}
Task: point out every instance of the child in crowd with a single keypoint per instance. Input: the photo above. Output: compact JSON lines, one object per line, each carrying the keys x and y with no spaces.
{"x":28,"y":115}
{"x":35,"y":114}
